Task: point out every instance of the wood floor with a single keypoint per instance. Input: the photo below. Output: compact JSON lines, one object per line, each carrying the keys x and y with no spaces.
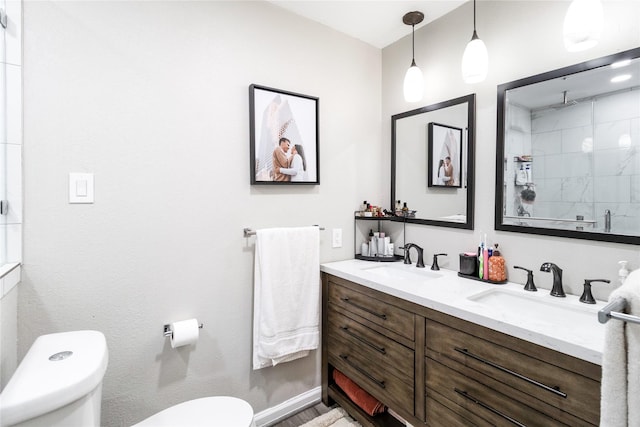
{"x":304,"y":416}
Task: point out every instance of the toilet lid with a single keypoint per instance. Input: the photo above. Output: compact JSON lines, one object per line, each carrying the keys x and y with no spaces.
{"x":207,"y":411}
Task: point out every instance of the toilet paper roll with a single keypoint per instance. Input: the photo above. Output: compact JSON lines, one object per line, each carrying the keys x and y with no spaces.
{"x":184,"y":332}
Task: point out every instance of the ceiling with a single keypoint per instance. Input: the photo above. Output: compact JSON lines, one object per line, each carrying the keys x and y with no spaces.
{"x":376,"y":22}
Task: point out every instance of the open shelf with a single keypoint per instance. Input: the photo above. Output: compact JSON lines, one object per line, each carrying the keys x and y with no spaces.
{"x":380,"y":420}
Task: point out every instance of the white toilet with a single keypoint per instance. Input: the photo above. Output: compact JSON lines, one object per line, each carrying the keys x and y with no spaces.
{"x":59,"y":384}
{"x":205,"y":412}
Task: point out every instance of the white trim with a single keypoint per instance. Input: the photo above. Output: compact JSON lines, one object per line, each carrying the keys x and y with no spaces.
{"x":287,"y":408}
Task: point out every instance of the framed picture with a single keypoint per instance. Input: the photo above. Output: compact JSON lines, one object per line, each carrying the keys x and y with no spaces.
{"x":444,"y":156}
{"x":284,"y":137}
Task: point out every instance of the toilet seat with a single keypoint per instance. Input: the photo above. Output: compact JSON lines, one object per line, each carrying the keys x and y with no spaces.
{"x":207,"y":411}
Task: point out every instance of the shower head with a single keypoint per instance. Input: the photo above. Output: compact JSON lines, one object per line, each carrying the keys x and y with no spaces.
{"x":565,"y":102}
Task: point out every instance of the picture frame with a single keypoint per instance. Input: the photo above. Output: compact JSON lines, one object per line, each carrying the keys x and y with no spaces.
{"x":444,"y":152}
{"x":284,"y":137}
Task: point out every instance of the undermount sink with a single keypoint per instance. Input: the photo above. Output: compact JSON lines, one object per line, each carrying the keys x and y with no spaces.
{"x":402,"y":272}
{"x":537,"y":307}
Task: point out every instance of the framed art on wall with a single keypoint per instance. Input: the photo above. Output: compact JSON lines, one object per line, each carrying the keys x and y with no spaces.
{"x":283,"y":137}
{"x":444,"y":156}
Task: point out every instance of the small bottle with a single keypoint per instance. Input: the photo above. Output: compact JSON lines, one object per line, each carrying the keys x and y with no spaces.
{"x":405,"y":209}
{"x":370,"y":234}
{"x":398,"y":205}
{"x":497,"y":268}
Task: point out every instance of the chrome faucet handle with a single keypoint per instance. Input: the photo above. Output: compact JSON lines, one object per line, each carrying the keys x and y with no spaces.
{"x":587,"y":296}
{"x":435,"y":265}
{"x":530,"y":286}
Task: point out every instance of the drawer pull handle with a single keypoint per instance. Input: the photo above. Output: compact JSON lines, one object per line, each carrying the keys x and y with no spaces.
{"x":348,"y":301}
{"x":487,"y":407}
{"x":554,"y":390}
{"x":363,"y":340}
{"x":362,"y":371}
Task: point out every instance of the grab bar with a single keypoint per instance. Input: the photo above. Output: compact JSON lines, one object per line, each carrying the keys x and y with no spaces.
{"x":614,"y":309}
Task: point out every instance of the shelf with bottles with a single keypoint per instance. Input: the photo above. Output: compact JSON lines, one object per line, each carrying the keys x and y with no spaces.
{"x":523,"y":175}
{"x":385,"y":239}
{"x":526,"y":158}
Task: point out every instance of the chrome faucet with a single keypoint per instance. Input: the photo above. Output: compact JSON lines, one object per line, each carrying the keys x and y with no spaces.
{"x":407,"y":257}
{"x":556,"y":290}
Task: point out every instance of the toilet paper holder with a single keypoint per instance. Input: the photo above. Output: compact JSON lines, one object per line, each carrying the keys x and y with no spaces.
{"x":167,"y":332}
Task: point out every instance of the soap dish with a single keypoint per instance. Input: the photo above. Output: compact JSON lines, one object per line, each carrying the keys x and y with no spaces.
{"x":493,"y":282}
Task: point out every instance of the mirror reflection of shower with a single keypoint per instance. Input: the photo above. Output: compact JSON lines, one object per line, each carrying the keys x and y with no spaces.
{"x":573,"y":164}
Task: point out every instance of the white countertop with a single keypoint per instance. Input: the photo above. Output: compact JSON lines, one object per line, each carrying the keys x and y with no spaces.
{"x":578,"y":334}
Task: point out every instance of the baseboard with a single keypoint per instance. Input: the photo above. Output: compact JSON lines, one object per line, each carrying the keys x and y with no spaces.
{"x":287,"y":408}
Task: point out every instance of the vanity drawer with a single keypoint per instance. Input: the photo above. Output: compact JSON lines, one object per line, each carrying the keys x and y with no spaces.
{"x":477,"y":401}
{"x":379,"y":311}
{"x":375,"y":347}
{"x":375,"y":379}
{"x":544,"y":386}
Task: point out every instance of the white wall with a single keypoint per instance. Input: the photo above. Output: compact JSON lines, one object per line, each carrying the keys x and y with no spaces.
{"x":152,"y":97}
{"x":523,"y":38}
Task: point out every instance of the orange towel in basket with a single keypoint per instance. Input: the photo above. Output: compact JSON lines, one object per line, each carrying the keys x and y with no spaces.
{"x":360,"y":397}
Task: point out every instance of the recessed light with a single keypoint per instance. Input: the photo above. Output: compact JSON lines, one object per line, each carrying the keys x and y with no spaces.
{"x":621,"y":64}
{"x":624,"y":141}
{"x":621,"y":78}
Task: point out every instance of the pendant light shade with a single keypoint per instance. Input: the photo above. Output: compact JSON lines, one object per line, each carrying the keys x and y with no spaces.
{"x":475,"y":59}
{"x":413,"y":84}
{"x":583,"y":25}
{"x":413,"y":80}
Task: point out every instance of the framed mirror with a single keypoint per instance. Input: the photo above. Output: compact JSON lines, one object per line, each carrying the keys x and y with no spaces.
{"x":432,"y":162}
{"x":568,"y":151}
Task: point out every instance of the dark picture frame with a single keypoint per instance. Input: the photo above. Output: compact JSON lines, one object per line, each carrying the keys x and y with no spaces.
{"x":275,"y":115}
{"x":444,"y":146}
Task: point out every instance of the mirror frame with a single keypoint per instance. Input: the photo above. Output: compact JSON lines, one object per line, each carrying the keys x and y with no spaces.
{"x":500,"y":150}
{"x":471,"y":142}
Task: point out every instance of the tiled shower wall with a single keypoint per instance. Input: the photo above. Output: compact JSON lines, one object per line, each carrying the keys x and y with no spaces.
{"x":11,"y":132}
{"x":585,"y":152}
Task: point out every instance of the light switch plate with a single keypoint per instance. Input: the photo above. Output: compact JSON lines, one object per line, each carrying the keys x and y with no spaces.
{"x":336,"y":241}
{"x":80,"y":188}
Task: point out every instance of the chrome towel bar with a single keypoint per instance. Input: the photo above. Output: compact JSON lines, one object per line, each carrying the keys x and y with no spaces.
{"x":614,"y":310}
{"x":248,"y":232}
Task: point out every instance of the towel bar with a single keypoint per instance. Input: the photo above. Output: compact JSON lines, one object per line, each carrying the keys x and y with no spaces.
{"x":613,"y":311}
{"x":248,"y":232}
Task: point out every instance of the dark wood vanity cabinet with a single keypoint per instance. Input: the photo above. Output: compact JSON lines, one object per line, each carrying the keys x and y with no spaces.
{"x":437,"y":370}
{"x":491,"y":378}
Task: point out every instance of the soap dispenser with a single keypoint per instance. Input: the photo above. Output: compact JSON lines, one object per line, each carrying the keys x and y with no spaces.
{"x":497,"y":268}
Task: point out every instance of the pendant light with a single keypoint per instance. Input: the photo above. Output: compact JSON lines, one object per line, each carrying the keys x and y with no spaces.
{"x":475,"y":60}
{"x":582,"y":25}
{"x":413,"y":80}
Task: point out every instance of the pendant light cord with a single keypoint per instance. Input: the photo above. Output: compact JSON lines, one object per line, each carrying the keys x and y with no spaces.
{"x":413,"y":44}
{"x":474,"y":36}
{"x":474,"y":16}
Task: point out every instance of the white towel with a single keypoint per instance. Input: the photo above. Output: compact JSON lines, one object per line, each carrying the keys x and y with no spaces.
{"x":286,"y":300}
{"x":620,"y":389}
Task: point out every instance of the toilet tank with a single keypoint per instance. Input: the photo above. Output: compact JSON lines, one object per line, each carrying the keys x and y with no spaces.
{"x":58,"y":383}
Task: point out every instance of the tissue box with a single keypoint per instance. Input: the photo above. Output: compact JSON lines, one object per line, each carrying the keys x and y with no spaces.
{"x":469,"y":264}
